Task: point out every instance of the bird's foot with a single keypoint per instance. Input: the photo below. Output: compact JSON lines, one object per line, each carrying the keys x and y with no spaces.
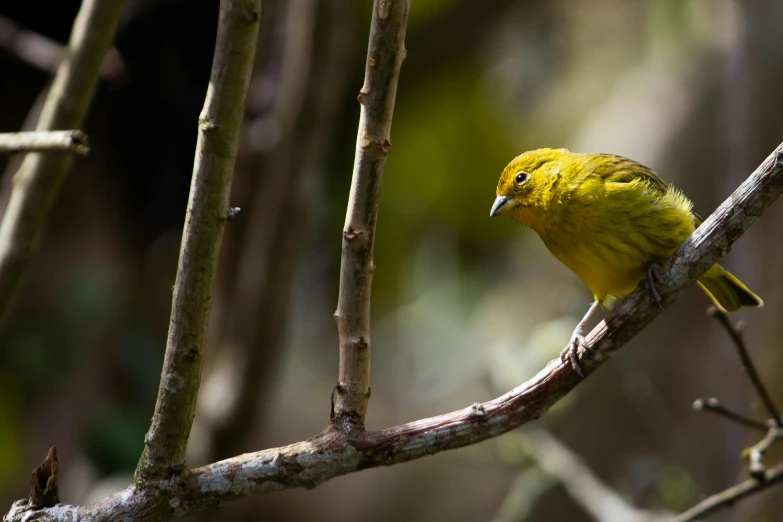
{"x":654,"y":278}
{"x":569,"y":353}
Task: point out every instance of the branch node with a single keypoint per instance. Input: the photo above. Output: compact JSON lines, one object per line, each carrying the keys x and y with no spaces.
{"x":350,"y":234}
{"x":380,"y":145}
{"x":478,"y":410}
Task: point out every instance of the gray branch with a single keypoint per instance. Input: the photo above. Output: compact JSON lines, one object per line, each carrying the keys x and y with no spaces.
{"x":40,"y":176}
{"x":338,"y":452}
{"x":74,"y":141}
{"x":728,"y":497}
{"x":220,"y":123}
{"x":385,"y":53}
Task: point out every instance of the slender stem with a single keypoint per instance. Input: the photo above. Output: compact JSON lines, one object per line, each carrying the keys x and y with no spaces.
{"x":728,"y":497}
{"x":713,"y":405}
{"x":385,"y":53}
{"x":40,"y":176}
{"x":739,"y":342}
{"x":220,"y":123}
{"x":46,"y":141}
{"x":756,"y":452}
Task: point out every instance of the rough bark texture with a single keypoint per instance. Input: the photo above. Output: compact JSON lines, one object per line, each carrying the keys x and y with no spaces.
{"x":338,"y":452}
{"x":207,"y":213}
{"x":38,"y":179}
{"x":385,"y":53}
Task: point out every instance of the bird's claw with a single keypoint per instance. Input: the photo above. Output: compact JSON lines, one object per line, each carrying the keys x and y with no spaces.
{"x":570,"y":352}
{"x":653,"y":277}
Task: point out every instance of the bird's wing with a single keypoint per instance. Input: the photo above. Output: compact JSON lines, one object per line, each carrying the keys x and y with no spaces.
{"x":619,"y":169}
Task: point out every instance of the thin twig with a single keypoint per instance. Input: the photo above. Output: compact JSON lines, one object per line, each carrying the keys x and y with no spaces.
{"x":40,"y":176}
{"x":220,"y":123}
{"x":731,"y":495}
{"x":339,"y":452}
{"x":713,"y":405}
{"x":74,"y":141}
{"x":385,"y":53}
{"x":739,"y":342}
{"x":756,"y":452}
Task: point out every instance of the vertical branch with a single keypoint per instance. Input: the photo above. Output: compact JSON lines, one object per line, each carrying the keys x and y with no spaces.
{"x":385,"y":53}
{"x":38,"y":179}
{"x":218,"y":136}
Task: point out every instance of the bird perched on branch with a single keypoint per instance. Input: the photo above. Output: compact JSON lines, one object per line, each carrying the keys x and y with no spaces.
{"x":609,"y":219}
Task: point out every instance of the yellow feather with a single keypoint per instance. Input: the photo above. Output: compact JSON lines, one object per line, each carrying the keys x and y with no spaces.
{"x":607,"y":218}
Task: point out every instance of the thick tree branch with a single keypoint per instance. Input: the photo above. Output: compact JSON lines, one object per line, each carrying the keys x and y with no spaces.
{"x":338,"y":452}
{"x":74,"y":141}
{"x":38,"y":179}
{"x":385,"y":53}
{"x":220,"y":123}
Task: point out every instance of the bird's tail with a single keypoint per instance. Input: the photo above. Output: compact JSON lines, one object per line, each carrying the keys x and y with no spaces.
{"x":726,"y":291}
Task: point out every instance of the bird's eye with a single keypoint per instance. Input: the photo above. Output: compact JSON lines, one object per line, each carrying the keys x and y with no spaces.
{"x":521,"y":177}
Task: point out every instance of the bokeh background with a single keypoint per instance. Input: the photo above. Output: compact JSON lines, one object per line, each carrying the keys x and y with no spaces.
{"x":464,"y":307}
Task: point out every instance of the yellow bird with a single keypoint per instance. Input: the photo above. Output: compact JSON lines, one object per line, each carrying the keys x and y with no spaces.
{"x":609,"y":219}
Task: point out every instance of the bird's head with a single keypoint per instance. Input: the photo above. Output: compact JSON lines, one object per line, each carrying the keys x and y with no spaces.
{"x":526,"y":187}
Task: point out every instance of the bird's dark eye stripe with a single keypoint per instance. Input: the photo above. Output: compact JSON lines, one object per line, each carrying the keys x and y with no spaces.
{"x":521,"y":177}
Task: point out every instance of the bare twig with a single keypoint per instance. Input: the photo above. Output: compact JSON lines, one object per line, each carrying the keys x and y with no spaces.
{"x":219,"y":126}
{"x":735,"y":332}
{"x":385,"y":53}
{"x":729,"y":496}
{"x":40,"y":176}
{"x":713,"y":405}
{"x":47,"y":141}
{"x":756,"y":452}
{"x":338,"y":452}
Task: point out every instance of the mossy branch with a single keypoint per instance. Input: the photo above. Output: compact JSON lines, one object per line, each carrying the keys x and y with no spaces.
{"x":220,"y":123}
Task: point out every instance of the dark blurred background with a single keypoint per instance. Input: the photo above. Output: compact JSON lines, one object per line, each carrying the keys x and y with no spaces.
{"x":464,"y":307}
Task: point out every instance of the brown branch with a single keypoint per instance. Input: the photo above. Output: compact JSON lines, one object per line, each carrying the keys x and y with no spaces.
{"x":735,"y":332}
{"x":338,"y":452}
{"x":74,"y":141}
{"x":728,"y":497}
{"x":40,"y":176}
{"x":713,"y":405}
{"x":220,"y":123}
{"x":385,"y":53}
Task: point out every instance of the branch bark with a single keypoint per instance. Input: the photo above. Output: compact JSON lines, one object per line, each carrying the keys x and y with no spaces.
{"x":337,"y":452}
{"x":220,"y":123}
{"x":74,"y":141}
{"x":38,"y":179}
{"x":385,"y":53}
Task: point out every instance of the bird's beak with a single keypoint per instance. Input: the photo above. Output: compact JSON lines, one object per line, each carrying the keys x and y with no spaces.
{"x":501,"y":205}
